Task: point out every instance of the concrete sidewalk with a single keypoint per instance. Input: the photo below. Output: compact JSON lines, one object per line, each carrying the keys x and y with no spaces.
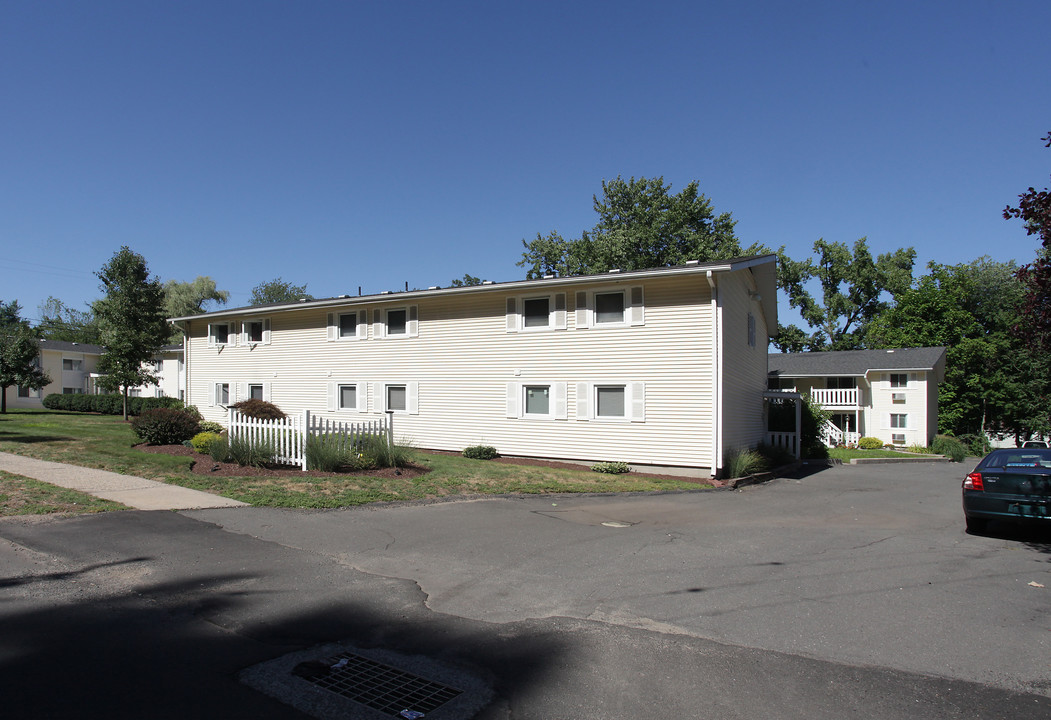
{"x":135,"y":492}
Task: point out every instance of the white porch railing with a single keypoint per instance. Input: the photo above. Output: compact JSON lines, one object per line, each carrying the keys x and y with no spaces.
{"x":788,"y":441}
{"x":834,"y":397}
{"x":832,"y":436}
{"x":289,"y":435}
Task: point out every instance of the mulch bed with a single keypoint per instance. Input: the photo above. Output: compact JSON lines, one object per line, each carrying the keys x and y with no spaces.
{"x":204,"y":465}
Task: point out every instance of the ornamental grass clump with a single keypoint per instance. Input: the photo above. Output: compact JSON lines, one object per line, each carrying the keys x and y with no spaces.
{"x":950,"y":447}
{"x":741,"y":462}
{"x":249,"y":453}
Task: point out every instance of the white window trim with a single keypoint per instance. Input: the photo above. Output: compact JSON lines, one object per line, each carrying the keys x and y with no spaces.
{"x":890,"y":381}
{"x":214,"y":398}
{"x":245,"y":390}
{"x":558,"y":406}
{"x":894,"y":436}
{"x":231,"y":335}
{"x":412,"y":397}
{"x":890,"y":421}
{"x":556,"y":312}
{"x":634,"y":307}
{"x":246,"y":338}
{"x":634,"y":401}
{"x":361,"y":327}
{"x":360,"y":396}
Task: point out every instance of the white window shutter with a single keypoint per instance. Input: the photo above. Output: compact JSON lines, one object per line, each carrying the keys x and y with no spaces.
{"x":377,"y":330}
{"x":582,"y":401}
{"x":558,"y":317}
{"x":244,"y":333}
{"x":559,"y":391}
{"x":512,"y":400}
{"x":379,"y":399}
{"x":332,"y":395}
{"x":266,"y":332}
{"x":231,"y":333}
{"x":637,"y":310}
{"x":362,"y":396}
{"x":582,"y":310}
{"x":638,"y":402}
{"x":211,"y":337}
{"x":213,"y":396}
{"x":412,"y":402}
{"x":512,"y":315}
{"x":241,"y":391}
{"x":333,"y":330}
{"x":363,"y":326}
{"x":266,"y":392}
{"x":413,"y":324}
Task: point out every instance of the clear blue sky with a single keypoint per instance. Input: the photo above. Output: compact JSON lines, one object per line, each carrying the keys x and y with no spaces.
{"x":346,"y":144}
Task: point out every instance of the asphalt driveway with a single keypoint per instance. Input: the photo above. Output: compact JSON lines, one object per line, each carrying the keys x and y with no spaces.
{"x":848,"y":592}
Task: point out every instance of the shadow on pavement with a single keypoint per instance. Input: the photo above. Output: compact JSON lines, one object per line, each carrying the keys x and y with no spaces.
{"x":175,"y":649}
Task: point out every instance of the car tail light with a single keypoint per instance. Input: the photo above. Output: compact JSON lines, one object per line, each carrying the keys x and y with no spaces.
{"x":973,"y":482}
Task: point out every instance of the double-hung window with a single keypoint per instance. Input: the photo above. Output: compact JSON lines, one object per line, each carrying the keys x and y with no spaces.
{"x":536,"y":313}
{"x":611,"y":401}
{"x":610,"y":307}
{"x":399,"y":397}
{"x":899,"y":421}
{"x":899,"y":380}
{"x":256,"y":332}
{"x":398,"y":322}
{"x":255,"y":391}
{"x":221,"y":334}
{"x":349,"y":325}
{"x":538,"y":400}
{"x":221,"y":395}
{"x":347,"y":396}
{"x":72,"y":364}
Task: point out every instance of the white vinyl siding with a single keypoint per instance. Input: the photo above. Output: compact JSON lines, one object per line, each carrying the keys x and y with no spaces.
{"x":463,"y":360}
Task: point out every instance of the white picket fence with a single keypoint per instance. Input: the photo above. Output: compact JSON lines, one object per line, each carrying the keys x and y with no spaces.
{"x":289,"y":435}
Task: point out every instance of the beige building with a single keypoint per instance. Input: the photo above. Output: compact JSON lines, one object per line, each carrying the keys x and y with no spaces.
{"x":888,"y":394}
{"x":661,"y":367}
{"x":68,"y":364}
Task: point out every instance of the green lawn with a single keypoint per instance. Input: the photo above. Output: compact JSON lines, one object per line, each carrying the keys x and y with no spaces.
{"x":25,"y":496}
{"x":102,"y":441}
{"x":847,"y":455}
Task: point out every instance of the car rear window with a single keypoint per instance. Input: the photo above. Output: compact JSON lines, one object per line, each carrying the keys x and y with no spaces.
{"x":1028,"y":457}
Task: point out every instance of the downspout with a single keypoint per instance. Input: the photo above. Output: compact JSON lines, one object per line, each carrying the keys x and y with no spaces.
{"x":717,"y":377}
{"x":185,"y":360}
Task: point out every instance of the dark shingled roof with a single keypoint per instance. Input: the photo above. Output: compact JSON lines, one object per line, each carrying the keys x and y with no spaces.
{"x":853,"y":362}
{"x":70,"y":346}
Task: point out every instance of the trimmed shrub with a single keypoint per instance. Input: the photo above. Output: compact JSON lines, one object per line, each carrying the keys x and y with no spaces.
{"x":163,"y":426}
{"x":613,"y":468}
{"x":209,"y":426}
{"x":870,"y":443}
{"x":259,"y":409}
{"x":950,"y":447}
{"x":977,"y":445}
{"x":108,"y":404}
{"x":202,"y":441}
{"x":480,"y":452}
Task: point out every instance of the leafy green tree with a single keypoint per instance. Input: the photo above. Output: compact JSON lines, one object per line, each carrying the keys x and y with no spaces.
{"x":1034,"y":208}
{"x":855,"y":289}
{"x":19,"y":350}
{"x":992,"y":380}
{"x":131,"y":322}
{"x":189,"y":298}
{"x":468,"y":280}
{"x":58,"y":321}
{"x":278,"y":291}
{"x":641,"y":224}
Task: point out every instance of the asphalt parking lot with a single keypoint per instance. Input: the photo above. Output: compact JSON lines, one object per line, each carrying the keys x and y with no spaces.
{"x":851,"y":591}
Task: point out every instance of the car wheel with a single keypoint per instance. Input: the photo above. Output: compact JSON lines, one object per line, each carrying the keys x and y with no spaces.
{"x":976,"y":525}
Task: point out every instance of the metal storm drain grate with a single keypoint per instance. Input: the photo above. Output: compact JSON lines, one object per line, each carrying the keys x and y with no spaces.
{"x":378,"y":686}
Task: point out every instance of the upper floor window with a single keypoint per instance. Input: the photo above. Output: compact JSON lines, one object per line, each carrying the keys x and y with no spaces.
{"x":899,"y":380}
{"x":841,"y":383}
{"x":541,"y":312}
{"x":73,"y":364}
{"x":256,"y":332}
{"x":610,"y":307}
{"x":396,"y":322}
{"x":221,"y":333}
{"x":899,"y":420}
{"x":353,"y":324}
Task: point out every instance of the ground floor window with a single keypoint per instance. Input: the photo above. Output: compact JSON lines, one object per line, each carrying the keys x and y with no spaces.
{"x":222,"y":393}
{"x":537,"y":400}
{"x":397,"y":398}
{"x":72,"y":391}
{"x":899,"y":420}
{"x":348,"y":397}
{"x":609,"y":401}
{"x":255,"y":392}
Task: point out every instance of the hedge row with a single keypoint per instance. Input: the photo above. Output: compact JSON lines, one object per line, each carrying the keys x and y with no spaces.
{"x":108,"y":404}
